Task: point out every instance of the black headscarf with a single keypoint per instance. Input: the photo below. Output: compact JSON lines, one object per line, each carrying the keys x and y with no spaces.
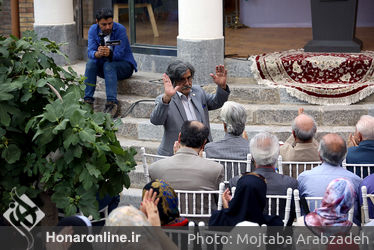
{"x":247,"y":205}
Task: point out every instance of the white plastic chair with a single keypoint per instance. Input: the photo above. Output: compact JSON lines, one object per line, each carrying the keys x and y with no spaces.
{"x":359,"y":167}
{"x":145,"y":158}
{"x":232,"y":167}
{"x":316,"y":201}
{"x":277,"y":198}
{"x":295,"y":165}
{"x":365,"y":206}
{"x":204,"y":208}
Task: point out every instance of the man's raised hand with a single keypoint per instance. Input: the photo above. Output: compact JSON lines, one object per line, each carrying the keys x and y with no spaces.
{"x":220,"y":77}
{"x":169,"y":88}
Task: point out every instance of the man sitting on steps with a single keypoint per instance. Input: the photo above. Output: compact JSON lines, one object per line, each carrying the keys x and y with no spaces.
{"x":110,"y":62}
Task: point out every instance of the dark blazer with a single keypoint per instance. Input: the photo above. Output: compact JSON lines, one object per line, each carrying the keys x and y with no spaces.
{"x":278,"y":184}
{"x":172,"y":115}
{"x":364,"y":154}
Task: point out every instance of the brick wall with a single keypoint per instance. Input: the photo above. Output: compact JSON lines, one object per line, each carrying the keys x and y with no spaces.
{"x":26,"y":15}
{"x":6,"y":22}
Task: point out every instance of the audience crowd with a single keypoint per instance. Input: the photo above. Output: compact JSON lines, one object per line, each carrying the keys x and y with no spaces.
{"x":245,"y":199}
{"x":188,"y":170}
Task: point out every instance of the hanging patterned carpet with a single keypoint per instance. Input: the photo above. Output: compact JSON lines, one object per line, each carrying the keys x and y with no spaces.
{"x":318,"y":78}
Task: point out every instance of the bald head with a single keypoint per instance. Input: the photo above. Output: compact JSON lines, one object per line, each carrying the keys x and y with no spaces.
{"x":332,"y":149}
{"x":304,"y":128}
{"x":193,"y":134}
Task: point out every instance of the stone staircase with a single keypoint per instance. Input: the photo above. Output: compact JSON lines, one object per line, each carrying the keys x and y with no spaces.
{"x":268,"y":109}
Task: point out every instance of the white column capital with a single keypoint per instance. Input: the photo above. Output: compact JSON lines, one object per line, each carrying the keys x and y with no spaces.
{"x":200,"y":19}
{"x":53,"y":12}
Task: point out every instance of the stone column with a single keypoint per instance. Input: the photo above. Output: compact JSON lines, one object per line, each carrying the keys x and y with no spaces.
{"x":54,"y":19}
{"x":200,"y":40}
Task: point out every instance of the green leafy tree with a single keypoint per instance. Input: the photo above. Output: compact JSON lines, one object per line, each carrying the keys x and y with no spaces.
{"x":51,"y":144}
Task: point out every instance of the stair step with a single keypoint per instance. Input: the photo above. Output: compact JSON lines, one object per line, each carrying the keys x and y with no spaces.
{"x":269,"y":114}
{"x":142,"y":129}
{"x":131,"y":196}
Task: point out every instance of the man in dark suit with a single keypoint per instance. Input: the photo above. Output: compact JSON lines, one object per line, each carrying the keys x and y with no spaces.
{"x":264,"y":148}
{"x":234,"y":145}
{"x":183,"y":102}
{"x":362,"y":142}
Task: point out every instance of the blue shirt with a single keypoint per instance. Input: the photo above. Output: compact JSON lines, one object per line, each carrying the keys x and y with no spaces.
{"x":121,"y":52}
{"x":314,"y":182}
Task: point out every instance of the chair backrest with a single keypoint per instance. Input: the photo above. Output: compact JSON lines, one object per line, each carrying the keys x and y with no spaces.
{"x":294,"y":168}
{"x":365,"y":205}
{"x":152,"y":158}
{"x":233,"y":167}
{"x":202,"y":202}
{"x":359,"y":169}
{"x":313,"y":202}
{"x":274,"y":202}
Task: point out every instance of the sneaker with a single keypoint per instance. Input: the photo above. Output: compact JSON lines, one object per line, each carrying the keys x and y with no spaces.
{"x":112,"y":108}
{"x":89,"y":102}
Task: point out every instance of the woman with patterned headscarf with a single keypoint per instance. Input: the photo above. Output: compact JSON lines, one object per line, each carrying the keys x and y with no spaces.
{"x":338,"y":200}
{"x":168,"y":203}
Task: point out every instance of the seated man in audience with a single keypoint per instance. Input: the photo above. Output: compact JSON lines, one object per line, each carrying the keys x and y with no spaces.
{"x":332,"y":151}
{"x":234,"y":145}
{"x":301,"y":145}
{"x":265,"y":151}
{"x":368,"y":182}
{"x":362,"y":142}
{"x":186,"y":170}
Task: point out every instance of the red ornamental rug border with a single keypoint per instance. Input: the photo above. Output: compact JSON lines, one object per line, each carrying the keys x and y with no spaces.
{"x":318,"y":78}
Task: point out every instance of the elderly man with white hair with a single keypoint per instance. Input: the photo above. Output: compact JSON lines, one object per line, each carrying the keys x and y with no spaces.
{"x":363,"y":143}
{"x":233,"y":145}
{"x":265,"y":151}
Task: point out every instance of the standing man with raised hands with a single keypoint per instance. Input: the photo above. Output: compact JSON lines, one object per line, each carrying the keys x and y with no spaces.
{"x":183,"y":101}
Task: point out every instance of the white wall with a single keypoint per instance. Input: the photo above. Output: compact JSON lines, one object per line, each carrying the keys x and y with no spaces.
{"x":53,"y":12}
{"x":200,"y":19}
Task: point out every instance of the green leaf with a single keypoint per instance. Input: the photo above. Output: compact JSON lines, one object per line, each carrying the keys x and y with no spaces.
{"x":60,"y":126}
{"x":117,"y":150}
{"x":99,"y":118}
{"x":72,"y":139}
{"x":5,"y":96}
{"x":86,"y":179}
{"x":4,"y":117}
{"x":92,"y":170}
{"x":11,"y":154}
{"x":26,"y":97}
{"x":76,"y":118}
{"x":61,"y":199}
{"x":53,"y":111}
{"x":87,"y":135}
{"x":41,"y":82}
{"x":77,"y":151}
{"x":68,"y":156}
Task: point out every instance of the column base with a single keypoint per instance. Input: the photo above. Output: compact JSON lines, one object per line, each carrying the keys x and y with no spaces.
{"x":204,"y":55}
{"x":353,"y":46}
{"x":65,"y":33}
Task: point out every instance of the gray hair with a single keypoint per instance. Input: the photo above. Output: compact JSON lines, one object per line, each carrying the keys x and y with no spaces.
{"x":177,"y":69}
{"x":304,"y":135}
{"x":234,"y":116}
{"x":264,"y":148}
{"x":331,"y":156}
{"x":365,"y":126}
